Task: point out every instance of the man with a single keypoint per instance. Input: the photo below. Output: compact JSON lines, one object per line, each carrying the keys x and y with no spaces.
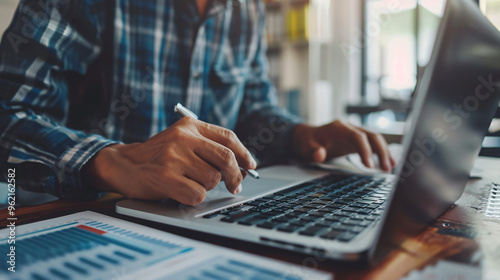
{"x":88,"y":89}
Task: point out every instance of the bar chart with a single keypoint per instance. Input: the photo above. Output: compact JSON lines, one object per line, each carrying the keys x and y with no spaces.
{"x":88,"y":245}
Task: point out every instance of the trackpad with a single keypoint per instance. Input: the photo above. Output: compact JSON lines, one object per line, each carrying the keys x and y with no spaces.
{"x":220,"y":197}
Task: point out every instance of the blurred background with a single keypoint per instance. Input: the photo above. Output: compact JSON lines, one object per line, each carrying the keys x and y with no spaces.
{"x":350,"y":59}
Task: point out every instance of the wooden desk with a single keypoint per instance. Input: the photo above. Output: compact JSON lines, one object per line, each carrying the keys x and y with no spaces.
{"x":459,"y":234}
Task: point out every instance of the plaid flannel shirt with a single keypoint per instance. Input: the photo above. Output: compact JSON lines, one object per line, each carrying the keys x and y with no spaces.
{"x":79,"y":75}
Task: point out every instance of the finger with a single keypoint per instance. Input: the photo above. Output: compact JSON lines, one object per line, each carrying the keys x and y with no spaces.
{"x":361,"y":145}
{"x":312,"y":150}
{"x":186,"y":191}
{"x":319,"y":155}
{"x":393,"y":162}
{"x":203,"y":173}
{"x":223,"y":159}
{"x":244,"y":173}
{"x":379,"y":146}
{"x":228,"y":139}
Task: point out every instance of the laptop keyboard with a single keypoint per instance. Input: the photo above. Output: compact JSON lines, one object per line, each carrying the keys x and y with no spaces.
{"x":334,"y":207}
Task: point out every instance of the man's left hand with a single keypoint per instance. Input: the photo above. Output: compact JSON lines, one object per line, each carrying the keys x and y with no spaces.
{"x":338,"y":138}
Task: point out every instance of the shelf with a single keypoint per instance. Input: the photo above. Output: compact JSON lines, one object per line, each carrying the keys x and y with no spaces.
{"x":274,"y":48}
{"x":301,"y":43}
{"x":299,"y":2}
{"x":273,"y":5}
{"x":365,"y":109}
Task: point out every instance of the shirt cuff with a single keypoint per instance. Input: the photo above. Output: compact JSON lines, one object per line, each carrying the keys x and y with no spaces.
{"x":68,"y":166}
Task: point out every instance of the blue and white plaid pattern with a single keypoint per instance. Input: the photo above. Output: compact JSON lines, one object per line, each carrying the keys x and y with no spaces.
{"x":161,"y":53}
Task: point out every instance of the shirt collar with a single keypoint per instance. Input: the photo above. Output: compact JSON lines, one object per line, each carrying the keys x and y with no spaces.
{"x":188,"y":9}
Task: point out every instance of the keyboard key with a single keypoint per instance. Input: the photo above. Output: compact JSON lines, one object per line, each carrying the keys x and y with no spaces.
{"x":346,"y":236}
{"x":262,"y":216}
{"x":257,"y":209}
{"x":331,"y":234}
{"x":236,"y":216}
{"x":308,"y":218}
{"x":357,"y":229}
{"x":268,"y":225}
{"x":320,"y":202}
{"x":293,"y":215}
{"x":273,"y":212}
{"x":365,"y":211}
{"x":210,"y":216}
{"x":350,"y":209}
{"x":324,"y":223}
{"x":359,"y":205}
{"x":226,"y":220}
{"x":335,"y":218}
{"x":312,"y":230}
{"x":249,"y":222}
{"x":341,"y":227}
{"x":302,"y":210}
{"x":365,"y":223}
{"x":343,"y":213}
{"x":281,"y":219}
{"x":288,"y":228}
{"x":342,"y":202}
{"x":317,"y":214}
{"x":299,"y":223}
{"x":351,"y":222}
{"x":334,"y":206}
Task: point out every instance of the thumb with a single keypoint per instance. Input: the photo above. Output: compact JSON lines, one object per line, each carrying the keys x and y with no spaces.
{"x":319,"y":154}
{"x":316,"y":151}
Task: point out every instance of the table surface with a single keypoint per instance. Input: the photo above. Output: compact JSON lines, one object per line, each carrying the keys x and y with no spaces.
{"x":464,"y":233}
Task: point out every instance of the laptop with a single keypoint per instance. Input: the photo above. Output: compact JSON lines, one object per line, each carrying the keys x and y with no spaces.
{"x":352,"y":217}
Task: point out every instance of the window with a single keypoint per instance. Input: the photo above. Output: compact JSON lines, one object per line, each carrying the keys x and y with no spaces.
{"x":398,"y":39}
{"x":399,"y":36}
{"x":491,"y":8}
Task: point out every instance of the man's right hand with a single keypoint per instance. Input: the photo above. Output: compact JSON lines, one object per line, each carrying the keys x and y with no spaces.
{"x":182,"y":162}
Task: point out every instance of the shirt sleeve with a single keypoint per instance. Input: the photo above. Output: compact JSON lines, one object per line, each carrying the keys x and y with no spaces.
{"x":263,"y":127}
{"x":46,"y":42}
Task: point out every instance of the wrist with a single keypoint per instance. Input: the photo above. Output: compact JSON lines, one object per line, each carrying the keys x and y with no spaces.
{"x":99,"y":172}
{"x":299,"y":133}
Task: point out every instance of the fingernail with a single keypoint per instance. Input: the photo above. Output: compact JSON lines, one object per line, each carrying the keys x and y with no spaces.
{"x":238,"y":189}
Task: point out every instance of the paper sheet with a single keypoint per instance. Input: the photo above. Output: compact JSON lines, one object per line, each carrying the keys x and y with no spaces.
{"x":89,"y":245}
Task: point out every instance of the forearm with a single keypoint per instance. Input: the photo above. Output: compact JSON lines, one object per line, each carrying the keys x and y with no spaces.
{"x":34,"y":95}
{"x":48,"y":157}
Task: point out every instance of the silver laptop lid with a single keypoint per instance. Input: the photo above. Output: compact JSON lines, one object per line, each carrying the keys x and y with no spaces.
{"x":455,"y":102}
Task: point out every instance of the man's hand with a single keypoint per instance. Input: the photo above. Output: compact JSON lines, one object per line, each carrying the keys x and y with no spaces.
{"x":182,"y":162}
{"x":338,"y":139}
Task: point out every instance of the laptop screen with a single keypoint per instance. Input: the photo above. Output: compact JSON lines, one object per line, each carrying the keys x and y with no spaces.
{"x":455,"y":102}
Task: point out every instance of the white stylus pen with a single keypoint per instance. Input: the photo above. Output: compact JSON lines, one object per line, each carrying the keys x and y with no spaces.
{"x":185,"y":112}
